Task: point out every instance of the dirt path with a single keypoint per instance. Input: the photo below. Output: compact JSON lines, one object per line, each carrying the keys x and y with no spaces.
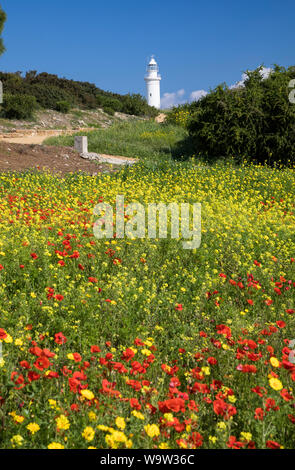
{"x":37,"y":137}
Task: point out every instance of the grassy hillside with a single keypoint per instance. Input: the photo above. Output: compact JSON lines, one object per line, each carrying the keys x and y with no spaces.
{"x":140,"y":139}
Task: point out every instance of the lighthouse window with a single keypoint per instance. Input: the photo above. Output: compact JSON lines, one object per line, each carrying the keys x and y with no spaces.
{"x":150,"y":94}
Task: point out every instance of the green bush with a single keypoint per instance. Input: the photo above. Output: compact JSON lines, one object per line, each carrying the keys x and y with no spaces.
{"x":254,"y":122}
{"x":136,"y":105}
{"x":18,"y":106}
{"x":63,"y":106}
{"x":109,"y":110}
{"x":106,"y":102}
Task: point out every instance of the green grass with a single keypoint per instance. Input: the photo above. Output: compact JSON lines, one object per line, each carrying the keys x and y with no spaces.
{"x":144,"y":140}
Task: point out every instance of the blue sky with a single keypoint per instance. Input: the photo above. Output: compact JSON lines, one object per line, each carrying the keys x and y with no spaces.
{"x":198,"y":44}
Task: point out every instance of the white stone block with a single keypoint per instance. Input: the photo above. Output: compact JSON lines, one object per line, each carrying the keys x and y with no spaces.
{"x":81,"y":144}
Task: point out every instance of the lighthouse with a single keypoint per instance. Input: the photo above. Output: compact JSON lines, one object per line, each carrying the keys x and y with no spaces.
{"x":152,"y":80}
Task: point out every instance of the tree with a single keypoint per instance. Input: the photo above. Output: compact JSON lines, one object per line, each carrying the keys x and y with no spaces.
{"x":2,"y":21}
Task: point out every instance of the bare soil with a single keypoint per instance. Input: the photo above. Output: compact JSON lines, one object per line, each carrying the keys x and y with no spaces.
{"x":57,"y":160}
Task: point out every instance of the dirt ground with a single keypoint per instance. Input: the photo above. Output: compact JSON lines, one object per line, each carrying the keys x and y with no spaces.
{"x":59,"y":160}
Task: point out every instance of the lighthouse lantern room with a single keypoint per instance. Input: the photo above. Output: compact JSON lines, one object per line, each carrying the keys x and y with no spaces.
{"x":152,"y":80}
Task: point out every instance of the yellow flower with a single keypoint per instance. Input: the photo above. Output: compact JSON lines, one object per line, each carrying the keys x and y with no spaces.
{"x":246,"y":436}
{"x":274,"y":362}
{"x":221,"y":425}
{"x":213,"y":439}
{"x":119,"y":436}
{"x":102,"y":427}
{"x":146,"y":352}
{"x":8,"y":339}
{"x":17,"y":418}
{"x":92,"y":416}
{"x":152,"y":430}
{"x":87,"y":394}
{"x":232,"y":398}
{"x":168,"y":417}
{"x":120,"y":423}
{"x":55,"y":445}
{"x":62,"y":422}
{"x":52,"y":404}
{"x":33,"y":427}
{"x":137,"y":414}
{"x":88,"y":433}
{"x":276,"y":384}
{"x":17,"y":440}
{"x":164,"y":445}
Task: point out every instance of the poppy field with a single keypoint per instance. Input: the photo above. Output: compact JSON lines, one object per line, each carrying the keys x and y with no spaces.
{"x":139,"y":343}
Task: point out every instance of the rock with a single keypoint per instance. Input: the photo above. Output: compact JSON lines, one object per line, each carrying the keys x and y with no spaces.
{"x":90,"y":156}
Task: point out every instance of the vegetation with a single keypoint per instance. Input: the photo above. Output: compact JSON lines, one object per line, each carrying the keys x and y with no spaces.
{"x":140,"y":343}
{"x":140,"y":139}
{"x":49,"y":90}
{"x":254,"y":122}
{"x":63,"y":106}
{"x":18,"y":106}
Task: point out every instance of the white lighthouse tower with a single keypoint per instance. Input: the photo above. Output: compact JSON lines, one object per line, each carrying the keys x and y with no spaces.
{"x":152,"y":80}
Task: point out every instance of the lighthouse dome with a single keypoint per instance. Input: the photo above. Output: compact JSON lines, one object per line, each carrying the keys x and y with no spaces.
{"x":152,"y":61}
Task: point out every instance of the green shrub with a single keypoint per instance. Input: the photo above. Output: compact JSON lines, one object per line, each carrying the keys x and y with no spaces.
{"x":18,"y":106}
{"x":255,"y":122}
{"x":106,"y":102}
{"x":109,"y":110}
{"x":63,"y":106}
{"x":136,"y":105}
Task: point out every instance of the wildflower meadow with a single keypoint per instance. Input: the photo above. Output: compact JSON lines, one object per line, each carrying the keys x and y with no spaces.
{"x":139,"y":343}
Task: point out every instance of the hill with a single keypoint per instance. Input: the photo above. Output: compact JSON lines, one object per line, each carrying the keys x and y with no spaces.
{"x":48,"y":91}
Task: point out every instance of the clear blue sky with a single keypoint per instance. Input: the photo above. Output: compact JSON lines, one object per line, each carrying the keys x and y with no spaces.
{"x":198,"y":44}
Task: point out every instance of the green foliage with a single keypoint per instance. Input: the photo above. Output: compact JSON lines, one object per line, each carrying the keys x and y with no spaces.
{"x":63,"y":106}
{"x":109,"y":110}
{"x":2,"y":21}
{"x":49,"y":89}
{"x":106,"y":102}
{"x":255,"y":122}
{"x":137,"y":105}
{"x":18,"y":106}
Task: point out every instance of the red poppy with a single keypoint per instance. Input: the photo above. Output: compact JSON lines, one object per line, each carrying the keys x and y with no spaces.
{"x":259,"y":414}
{"x":59,"y":338}
{"x":59,"y":297}
{"x":273,"y":445}
{"x":3,"y":334}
